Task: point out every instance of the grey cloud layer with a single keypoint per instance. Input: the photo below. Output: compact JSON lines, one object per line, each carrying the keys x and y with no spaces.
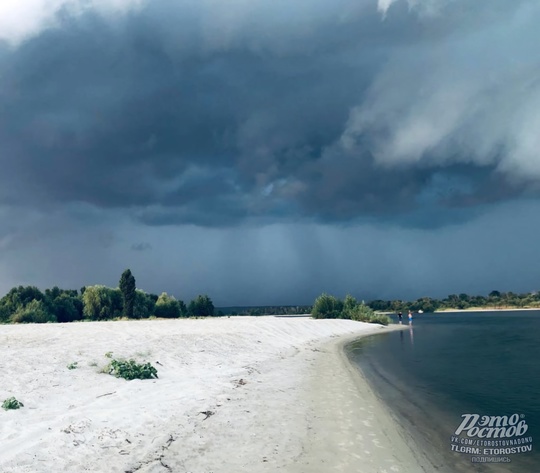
{"x":280,"y":264}
{"x":215,"y":113}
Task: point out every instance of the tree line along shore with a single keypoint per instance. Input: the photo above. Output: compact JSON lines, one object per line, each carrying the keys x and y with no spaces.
{"x":92,"y":303}
{"x":495,"y":300}
{"x":30,"y":305}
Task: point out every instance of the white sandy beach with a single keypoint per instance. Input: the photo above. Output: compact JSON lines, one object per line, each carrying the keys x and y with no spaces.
{"x":282,"y":394}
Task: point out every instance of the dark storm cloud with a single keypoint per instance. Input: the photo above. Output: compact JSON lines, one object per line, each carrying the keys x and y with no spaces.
{"x":215,"y":114}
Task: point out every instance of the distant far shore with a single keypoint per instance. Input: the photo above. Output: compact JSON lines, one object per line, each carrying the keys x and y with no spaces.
{"x":488,"y":309}
{"x":470,"y":309}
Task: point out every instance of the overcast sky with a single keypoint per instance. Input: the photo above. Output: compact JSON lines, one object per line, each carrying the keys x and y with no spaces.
{"x":265,"y":151}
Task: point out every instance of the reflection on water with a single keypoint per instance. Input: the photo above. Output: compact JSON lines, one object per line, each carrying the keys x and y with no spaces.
{"x":451,"y":364}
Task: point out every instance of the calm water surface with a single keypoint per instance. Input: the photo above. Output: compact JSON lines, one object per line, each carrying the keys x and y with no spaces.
{"x":447,"y":365}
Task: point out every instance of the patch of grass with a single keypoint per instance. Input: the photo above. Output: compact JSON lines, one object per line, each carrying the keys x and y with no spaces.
{"x":12,"y":403}
{"x":73,"y":365}
{"x":92,"y":363}
{"x":130,"y":369}
{"x":108,"y":354}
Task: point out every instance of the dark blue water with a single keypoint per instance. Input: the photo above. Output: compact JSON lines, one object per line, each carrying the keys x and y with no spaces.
{"x":447,"y":365}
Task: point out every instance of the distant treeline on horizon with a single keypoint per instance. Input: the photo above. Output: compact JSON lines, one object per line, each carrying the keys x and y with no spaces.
{"x":494,"y":300}
{"x":29,"y":304}
{"x":267,"y":310}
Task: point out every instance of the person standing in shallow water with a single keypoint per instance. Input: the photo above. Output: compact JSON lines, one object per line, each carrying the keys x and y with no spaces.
{"x":410,"y":317}
{"x":400,"y":316}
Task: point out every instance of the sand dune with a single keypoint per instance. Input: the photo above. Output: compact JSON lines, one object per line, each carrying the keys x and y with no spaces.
{"x":279,"y":394}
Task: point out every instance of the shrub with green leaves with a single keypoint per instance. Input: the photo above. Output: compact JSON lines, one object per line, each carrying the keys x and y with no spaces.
{"x":12,"y":403}
{"x":330,"y":307}
{"x":130,"y":369}
{"x":34,"y":312}
{"x":360,"y":312}
{"x":327,"y":307}
{"x":382,"y":319}
{"x":364,"y":313}
{"x":349,"y":303}
{"x":73,"y":365}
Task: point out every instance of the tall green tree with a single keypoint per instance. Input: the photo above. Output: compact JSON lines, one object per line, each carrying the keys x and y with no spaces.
{"x":144,"y":305}
{"x":201,"y":306}
{"x":167,"y":307}
{"x":19,"y":297}
{"x":127,"y":286}
{"x":101,"y":303}
{"x":66,"y":308}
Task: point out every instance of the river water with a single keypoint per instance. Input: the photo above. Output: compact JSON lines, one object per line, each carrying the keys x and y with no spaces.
{"x":451,"y":364}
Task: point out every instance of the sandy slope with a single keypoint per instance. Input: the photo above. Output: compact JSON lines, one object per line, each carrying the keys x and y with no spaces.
{"x":282,"y":398}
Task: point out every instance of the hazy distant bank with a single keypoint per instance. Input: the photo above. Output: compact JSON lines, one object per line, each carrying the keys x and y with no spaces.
{"x":488,"y":309}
